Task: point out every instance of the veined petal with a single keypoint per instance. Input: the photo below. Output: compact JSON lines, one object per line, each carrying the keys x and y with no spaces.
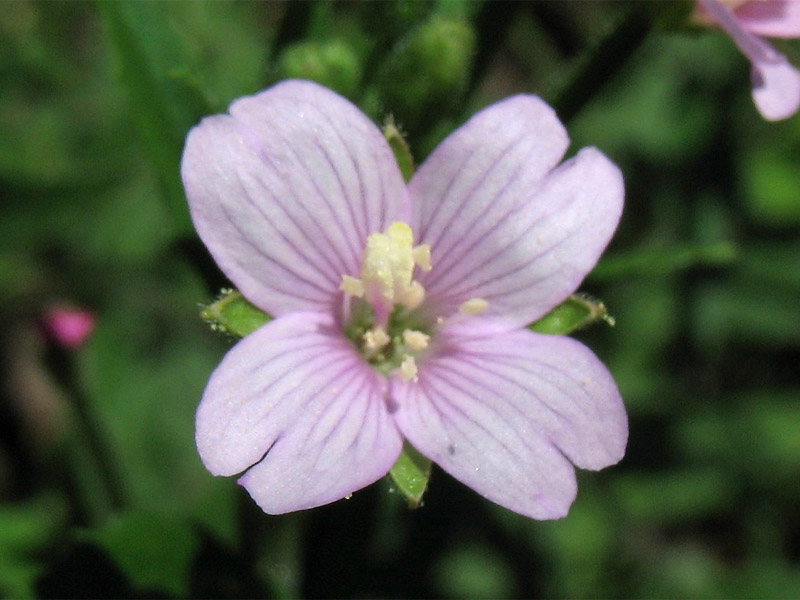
{"x":776,"y":88}
{"x":285,"y":190}
{"x":463,"y":181}
{"x":525,"y":244}
{"x":503,"y":413}
{"x":771,"y":18}
{"x":776,"y":83}
{"x":296,"y":400}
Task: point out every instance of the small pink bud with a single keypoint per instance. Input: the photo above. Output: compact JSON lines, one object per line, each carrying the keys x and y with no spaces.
{"x":69,"y":327}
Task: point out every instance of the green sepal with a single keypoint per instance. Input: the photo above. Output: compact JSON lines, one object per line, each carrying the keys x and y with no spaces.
{"x":402,"y":152}
{"x":577,"y":311}
{"x":410,"y":474}
{"x":232,"y":313}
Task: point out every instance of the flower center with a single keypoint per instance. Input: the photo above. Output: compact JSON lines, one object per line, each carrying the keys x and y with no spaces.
{"x":382,"y":306}
{"x":383,"y":323}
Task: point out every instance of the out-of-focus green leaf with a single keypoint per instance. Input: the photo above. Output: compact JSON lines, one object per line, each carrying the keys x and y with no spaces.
{"x":657,"y":262}
{"x":764,"y":422}
{"x":232,"y":313}
{"x":578,"y":541}
{"x":743,"y":311}
{"x":575,"y":312}
{"x":770,"y":182}
{"x":663,"y":104}
{"x":146,"y":367}
{"x":165,"y":103}
{"x":154,"y":551}
{"x":474,"y":571}
{"x":674,"y":496}
{"x":26,"y":529}
{"x":411,"y":473}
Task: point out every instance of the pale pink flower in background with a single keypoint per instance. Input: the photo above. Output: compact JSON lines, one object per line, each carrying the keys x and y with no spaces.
{"x":69,"y":327}
{"x":401,"y":310}
{"x":776,"y":83}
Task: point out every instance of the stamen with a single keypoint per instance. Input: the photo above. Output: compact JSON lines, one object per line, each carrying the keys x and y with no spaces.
{"x":352,"y":286}
{"x":413,"y":295}
{"x":473,"y":306}
{"x":375,"y":339}
{"x":408,"y":369}
{"x":415,"y":340}
{"x":422,"y":256}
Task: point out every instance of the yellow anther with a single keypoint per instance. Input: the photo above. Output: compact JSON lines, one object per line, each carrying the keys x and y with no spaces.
{"x":422,"y":256}
{"x":375,"y":339}
{"x":473,"y":306}
{"x":412,"y":296}
{"x":415,"y":340}
{"x":352,"y":286}
{"x":408,"y":369}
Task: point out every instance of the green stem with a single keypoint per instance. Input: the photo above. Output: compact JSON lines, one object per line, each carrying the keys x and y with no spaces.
{"x":604,"y":62}
{"x":87,"y":453}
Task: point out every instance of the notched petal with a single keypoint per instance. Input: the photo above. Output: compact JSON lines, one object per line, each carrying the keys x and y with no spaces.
{"x":285,"y":190}
{"x":296,"y":407}
{"x":504,"y":413}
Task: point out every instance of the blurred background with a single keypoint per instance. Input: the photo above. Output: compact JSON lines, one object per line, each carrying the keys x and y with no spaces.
{"x":101,"y":490}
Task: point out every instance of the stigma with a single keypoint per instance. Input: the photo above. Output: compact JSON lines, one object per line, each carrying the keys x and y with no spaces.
{"x":387,"y":271}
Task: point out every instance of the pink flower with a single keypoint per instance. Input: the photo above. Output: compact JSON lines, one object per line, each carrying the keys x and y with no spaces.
{"x":776,"y":83}
{"x":69,"y":327}
{"x":400,"y":311}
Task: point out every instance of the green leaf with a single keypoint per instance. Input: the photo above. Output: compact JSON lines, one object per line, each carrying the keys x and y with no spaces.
{"x":153,"y":551}
{"x":411,"y":473}
{"x":145,"y":369}
{"x":26,"y":531}
{"x":165,"y":101}
{"x":402,"y":152}
{"x":232,"y":313}
{"x":656,"y":262}
{"x":575,"y":312}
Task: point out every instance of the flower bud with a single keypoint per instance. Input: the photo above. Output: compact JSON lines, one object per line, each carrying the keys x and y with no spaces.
{"x":428,"y":71}
{"x":333,"y":64}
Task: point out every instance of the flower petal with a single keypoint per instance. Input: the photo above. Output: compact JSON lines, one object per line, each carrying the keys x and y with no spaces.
{"x":776,"y":83}
{"x":285,"y":190}
{"x":470,"y":169}
{"x":771,"y":18}
{"x":522,"y":243}
{"x":296,"y":400}
{"x":503,"y":413}
{"x":776,"y":88}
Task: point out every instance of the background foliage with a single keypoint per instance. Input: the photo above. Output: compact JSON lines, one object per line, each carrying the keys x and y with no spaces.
{"x":101,"y":490}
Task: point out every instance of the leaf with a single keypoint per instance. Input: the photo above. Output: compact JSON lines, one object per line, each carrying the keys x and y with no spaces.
{"x":155,"y":552}
{"x":26,"y":531}
{"x":656,"y":262}
{"x":164,"y":101}
{"x":232,"y":313}
{"x":145,"y":369}
{"x":575,"y":312}
{"x":411,"y":473}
